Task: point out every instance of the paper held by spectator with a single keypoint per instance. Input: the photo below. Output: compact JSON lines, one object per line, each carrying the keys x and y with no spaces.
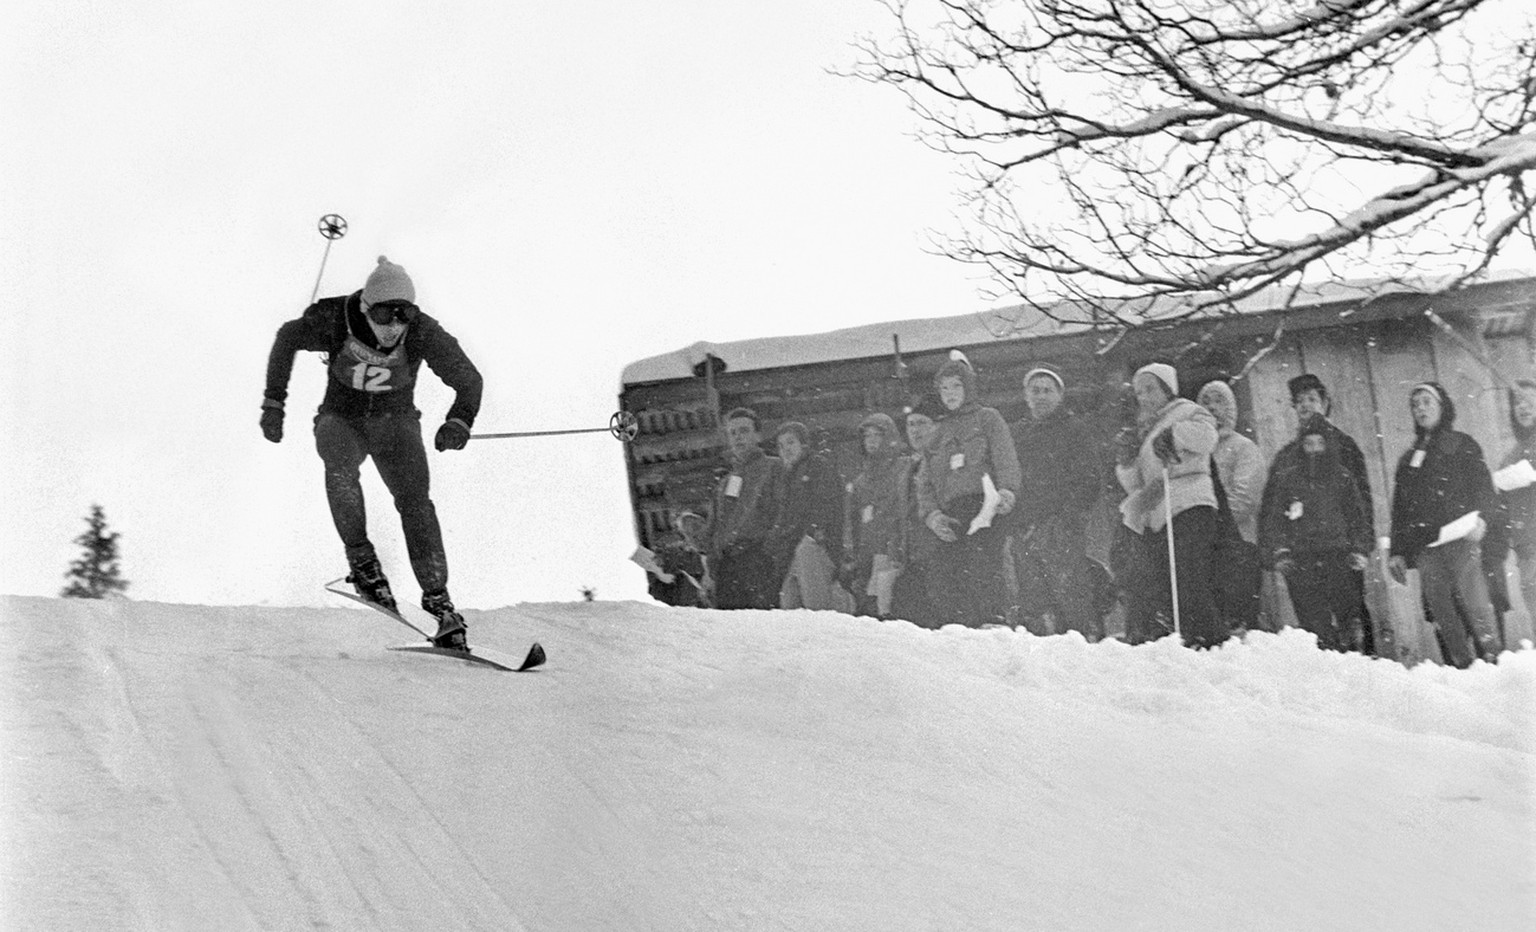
{"x":1456,"y":530}
{"x":646,"y":560}
{"x":990,"y":502}
{"x":1517,"y":476}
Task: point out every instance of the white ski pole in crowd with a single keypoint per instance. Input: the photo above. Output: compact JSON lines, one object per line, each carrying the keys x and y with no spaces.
{"x":1173,"y":565}
{"x":333,"y":228}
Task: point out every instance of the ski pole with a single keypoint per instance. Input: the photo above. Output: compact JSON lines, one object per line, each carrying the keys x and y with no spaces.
{"x":623,"y":426}
{"x":333,"y":228}
{"x":1173,"y":565}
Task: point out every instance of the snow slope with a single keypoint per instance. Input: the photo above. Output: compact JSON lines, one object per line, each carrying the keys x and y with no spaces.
{"x":186,"y":767}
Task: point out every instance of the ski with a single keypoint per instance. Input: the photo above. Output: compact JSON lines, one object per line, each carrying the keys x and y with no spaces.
{"x":476,"y":655}
{"x":480,"y":655}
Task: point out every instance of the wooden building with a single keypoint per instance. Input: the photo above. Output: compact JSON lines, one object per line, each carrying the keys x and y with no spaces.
{"x":1369,"y":346}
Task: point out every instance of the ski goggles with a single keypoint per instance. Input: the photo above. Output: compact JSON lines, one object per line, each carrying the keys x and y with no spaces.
{"x":387,"y":312}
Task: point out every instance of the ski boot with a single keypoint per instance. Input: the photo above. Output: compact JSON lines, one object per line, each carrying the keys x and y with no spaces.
{"x":367,"y":577}
{"x":450,"y":624}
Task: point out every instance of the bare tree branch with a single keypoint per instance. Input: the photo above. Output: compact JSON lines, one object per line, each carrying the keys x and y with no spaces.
{"x":1183,"y":154}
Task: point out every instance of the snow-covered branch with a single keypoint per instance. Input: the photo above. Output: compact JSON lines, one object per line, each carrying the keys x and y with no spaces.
{"x":1124,"y":149}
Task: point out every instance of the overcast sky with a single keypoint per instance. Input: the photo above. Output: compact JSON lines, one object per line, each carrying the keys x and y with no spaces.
{"x":572,"y":185}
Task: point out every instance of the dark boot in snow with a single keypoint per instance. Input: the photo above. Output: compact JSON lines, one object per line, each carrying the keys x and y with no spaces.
{"x":450,"y":624}
{"x":367,"y":577}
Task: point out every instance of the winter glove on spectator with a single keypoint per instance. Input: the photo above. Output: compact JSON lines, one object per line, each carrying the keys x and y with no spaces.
{"x":453,"y":435}
{"x":1008,"y":499}
{"x":272,"y":420}
{"x":1162,"y":446}
{"x":1359,"y":561}
{"x":1284,"y":565}
{"x":1126,"y":445}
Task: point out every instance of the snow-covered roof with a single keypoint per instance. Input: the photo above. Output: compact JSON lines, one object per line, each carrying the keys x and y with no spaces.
{"x":927,"y":334}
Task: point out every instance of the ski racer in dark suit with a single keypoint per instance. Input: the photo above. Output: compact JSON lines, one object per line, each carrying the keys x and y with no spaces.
{"x":375,"y":341}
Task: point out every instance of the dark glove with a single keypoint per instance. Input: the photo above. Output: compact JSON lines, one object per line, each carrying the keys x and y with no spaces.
{"x":1127,"y":444}
{"x":1284,"y":565}
{"x":453,"y":435}
{"x":1162,"y":445}
{"x":272,"y":420}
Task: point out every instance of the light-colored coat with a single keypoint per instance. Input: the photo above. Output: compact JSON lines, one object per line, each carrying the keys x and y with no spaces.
{"x":1189,"y":478}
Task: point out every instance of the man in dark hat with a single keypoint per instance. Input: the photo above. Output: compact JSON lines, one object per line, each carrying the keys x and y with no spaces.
{"x":1309,"y":399}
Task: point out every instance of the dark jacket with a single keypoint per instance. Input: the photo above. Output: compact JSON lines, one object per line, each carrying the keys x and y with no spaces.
{"x":810,"y":495}
{"x":741,"y":521}
{"x":1058,"y":459}
{"x":876,"y":496}
{"x":1314,"y":510}
{"x":364,"y":378}
{"x":1449,"y":480}
{"x":1349,"y":456}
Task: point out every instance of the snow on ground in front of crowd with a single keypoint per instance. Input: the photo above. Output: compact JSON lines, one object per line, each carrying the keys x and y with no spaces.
{"x":187,"y":767}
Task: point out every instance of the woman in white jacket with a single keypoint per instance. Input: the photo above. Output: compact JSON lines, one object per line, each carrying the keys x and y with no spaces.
{"x":1169,"y":457}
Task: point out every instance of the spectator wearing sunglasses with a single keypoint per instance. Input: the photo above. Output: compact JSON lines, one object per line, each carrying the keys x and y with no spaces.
{"x":375,"y":341}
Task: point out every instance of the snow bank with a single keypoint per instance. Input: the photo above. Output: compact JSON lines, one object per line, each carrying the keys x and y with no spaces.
{"x":188,"y":767}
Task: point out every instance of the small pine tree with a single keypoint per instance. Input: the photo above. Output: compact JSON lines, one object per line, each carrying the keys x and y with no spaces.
{"x":96,"y":574}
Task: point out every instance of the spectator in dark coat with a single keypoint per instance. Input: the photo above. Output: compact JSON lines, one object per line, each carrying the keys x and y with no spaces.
{"x":912,"y":599}
{"x":806,"y":541}
{"x":1049,"y":525}
{"x":1310,"y":397}
{"x":677,"y":559}
{"x":746,"y":506}
{"x":1441,"y":478}
{"x":1316,"y":535}
{"x":876,"y":517}
{"x":972,"y":443}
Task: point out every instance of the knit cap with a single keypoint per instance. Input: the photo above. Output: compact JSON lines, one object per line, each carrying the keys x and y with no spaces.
{"x":388,"y":282}
{"x":1045,"y":371}
{"x":1164,"y":373}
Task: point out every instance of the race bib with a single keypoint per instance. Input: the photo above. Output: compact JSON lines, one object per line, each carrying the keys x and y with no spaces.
{"x":364,"y":369}
{"x":733,"y":486}
{"x":957,"y":462}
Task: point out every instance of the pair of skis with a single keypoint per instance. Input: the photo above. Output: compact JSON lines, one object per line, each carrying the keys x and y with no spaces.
{"x":476,"y":655}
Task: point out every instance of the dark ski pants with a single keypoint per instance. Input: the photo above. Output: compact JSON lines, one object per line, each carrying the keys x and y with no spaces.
{"x":746,"y":577}
{"x":1456,"y":592}
{"x":394,"y":442}
{"x":910,"y":598}
{"x":1326,"y":593}
{"x":965,"y":580}
{"x":1149,"y":608}
{"x":1052,"y":563}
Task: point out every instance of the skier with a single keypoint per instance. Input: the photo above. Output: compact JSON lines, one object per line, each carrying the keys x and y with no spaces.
{"x":375,"y":340}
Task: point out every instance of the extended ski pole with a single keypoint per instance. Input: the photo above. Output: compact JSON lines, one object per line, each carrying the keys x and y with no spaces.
{"x":1173,"y":564}
{"x":623,"y":426}
{"x":333,"y":227}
